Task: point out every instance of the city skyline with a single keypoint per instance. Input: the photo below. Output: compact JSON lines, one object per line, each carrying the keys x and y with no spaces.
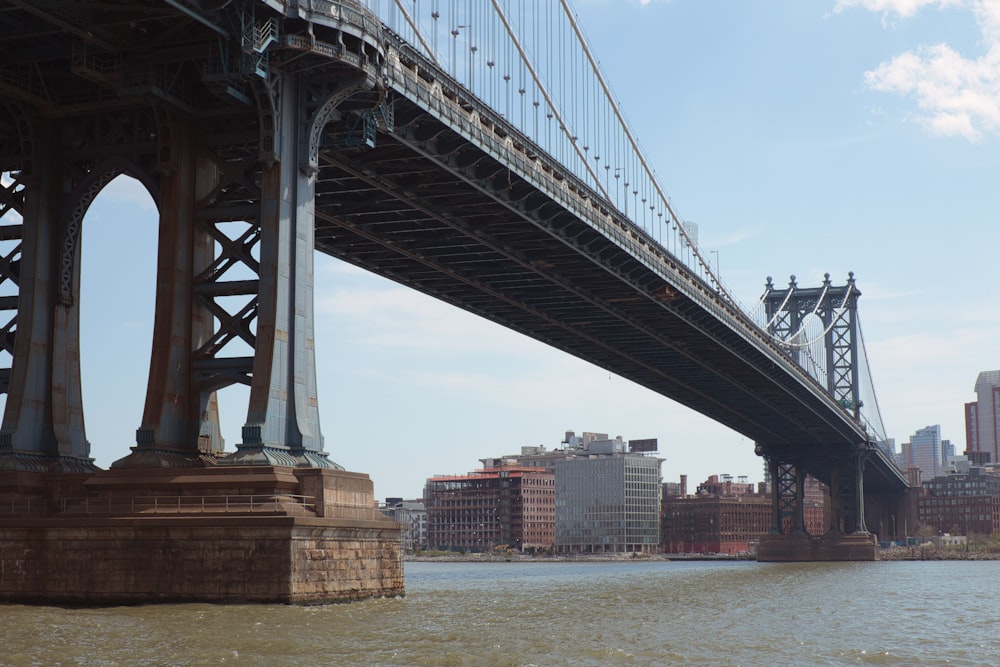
{"x":785,"y":130}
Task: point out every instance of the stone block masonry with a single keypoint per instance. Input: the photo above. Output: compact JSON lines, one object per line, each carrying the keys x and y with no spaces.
{"x":808,"y":548}
{"x":131,"y":541}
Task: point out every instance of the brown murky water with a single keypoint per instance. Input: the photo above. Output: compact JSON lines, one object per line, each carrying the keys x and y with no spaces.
{"x":519,"y":614}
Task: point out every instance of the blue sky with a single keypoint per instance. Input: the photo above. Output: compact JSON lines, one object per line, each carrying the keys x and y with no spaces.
{"x":803,"y":137}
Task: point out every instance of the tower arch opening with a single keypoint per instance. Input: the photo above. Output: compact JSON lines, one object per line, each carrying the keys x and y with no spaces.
{"x":118,"y":278}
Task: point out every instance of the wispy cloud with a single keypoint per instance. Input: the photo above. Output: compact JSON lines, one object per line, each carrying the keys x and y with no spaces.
{"x":956,"y":95}
{"x":903,"y":8}
{"x":399,"y":318}
{"x":128,"y":190}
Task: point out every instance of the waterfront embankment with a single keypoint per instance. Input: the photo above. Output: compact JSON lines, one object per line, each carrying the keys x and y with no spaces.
{"x":439,"y":557}
{"x":937,"y":553}
{"x":926,"y":552}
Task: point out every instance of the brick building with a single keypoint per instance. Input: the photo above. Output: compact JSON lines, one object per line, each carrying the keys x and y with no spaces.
{"x":510,"y":505}
{"x":727,"y":517}
{"x":964,"y":504}
{"x":711,"y":524}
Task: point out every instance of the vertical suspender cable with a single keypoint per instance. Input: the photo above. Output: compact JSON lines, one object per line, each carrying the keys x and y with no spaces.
{"x":542,"y":88}
{"x":416,"y":31}
{"x":635,"y":147}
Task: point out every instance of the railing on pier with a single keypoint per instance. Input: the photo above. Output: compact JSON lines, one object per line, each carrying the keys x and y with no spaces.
{"x":186,"y":504}
{"x":285,"y":504}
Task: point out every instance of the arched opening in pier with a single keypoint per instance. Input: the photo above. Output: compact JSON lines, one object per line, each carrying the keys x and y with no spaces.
{"x":117,"y":298}
{"x":118,"y":260}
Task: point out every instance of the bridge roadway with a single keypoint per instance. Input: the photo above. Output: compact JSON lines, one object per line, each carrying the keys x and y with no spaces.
{"x":446,"y":197}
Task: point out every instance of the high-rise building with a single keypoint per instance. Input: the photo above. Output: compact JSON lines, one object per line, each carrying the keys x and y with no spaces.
{"x":927,"y":451}
{"x":982,"y":419}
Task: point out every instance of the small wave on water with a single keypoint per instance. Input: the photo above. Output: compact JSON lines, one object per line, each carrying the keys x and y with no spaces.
{"x":553,"y":614}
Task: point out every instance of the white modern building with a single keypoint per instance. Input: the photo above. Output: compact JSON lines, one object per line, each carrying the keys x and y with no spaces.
{"x":928,"y":452}
{"x":413,"y":516}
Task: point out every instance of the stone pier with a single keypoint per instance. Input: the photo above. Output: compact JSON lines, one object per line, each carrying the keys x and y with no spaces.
{"x":802,"y":547}
{"x":263,"y":534}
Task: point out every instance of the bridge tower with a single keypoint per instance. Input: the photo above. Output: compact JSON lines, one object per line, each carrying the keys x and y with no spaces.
{"x":219,"y":112}
{"x":836,"y":307}
{"x":788,"y":312}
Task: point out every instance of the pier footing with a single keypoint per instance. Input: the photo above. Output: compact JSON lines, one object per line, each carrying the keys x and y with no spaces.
{"x":244,"y":534}
{"x":793,"y":548}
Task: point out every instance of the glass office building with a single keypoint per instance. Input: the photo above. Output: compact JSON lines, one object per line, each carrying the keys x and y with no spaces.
{"x":608,"y":503}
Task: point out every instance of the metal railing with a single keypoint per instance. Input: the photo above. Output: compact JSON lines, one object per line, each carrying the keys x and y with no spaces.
{"x":283,"y":504}
{"x":25,"y":506}
{"x":216,"y":504}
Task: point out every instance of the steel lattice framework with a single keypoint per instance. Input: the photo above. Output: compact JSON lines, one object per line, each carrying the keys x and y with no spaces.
{"x":837,"y":310}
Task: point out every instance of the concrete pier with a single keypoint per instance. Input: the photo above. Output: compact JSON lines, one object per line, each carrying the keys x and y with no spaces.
{"x":802,"y":547}
{"x":254,"y":534}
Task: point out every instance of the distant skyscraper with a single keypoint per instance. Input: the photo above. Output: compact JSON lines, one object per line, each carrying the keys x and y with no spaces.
{"x":927,"y":451}
{"x":982,"y":417}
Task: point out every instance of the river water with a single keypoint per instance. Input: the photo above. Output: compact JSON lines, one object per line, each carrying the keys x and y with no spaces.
{"x":562,"y":613}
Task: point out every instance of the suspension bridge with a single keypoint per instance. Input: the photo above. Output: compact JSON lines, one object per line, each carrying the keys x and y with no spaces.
{"x":471,"y":150}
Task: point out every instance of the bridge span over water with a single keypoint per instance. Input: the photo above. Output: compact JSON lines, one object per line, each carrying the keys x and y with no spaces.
{"x":267,"y":130}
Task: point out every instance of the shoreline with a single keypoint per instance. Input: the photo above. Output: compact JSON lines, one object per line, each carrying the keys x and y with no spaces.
{"x":583,"y":558}
{"x":935,"y":553}
{"x":886,"y":555}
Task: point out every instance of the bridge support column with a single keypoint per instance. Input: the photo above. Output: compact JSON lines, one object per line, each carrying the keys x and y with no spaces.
{"x":282,"y":425}
{"x":43,"y":427}
{"x":846,"y":499}
{"x":180,"y":421}
{"x":887,"y":516}
{"x":224,"y":134}
{"x":787,"y":497}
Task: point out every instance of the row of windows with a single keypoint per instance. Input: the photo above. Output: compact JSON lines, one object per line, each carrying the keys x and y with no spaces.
{"x":591,"y":525}
{"x":940,"y":502}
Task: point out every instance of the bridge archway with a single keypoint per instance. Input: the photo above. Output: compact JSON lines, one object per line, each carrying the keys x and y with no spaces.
{"x":116,"y":293}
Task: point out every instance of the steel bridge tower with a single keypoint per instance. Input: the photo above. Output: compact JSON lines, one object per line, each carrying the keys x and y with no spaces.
{"x":788,"y":312}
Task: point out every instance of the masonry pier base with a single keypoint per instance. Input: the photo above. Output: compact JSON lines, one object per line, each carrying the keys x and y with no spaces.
{"x":775,"y":548}
{"x":262,"y":534}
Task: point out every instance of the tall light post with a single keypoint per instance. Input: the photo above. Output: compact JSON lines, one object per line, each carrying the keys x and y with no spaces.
{"x":718,"y":277}
{"x":454,"y":55}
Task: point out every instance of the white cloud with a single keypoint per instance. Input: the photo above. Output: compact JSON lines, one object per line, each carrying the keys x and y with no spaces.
{"x":126,"y":189}
{"x":401,"y":318}
{"x":903,"y":8}
{"x":955,"y":95}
